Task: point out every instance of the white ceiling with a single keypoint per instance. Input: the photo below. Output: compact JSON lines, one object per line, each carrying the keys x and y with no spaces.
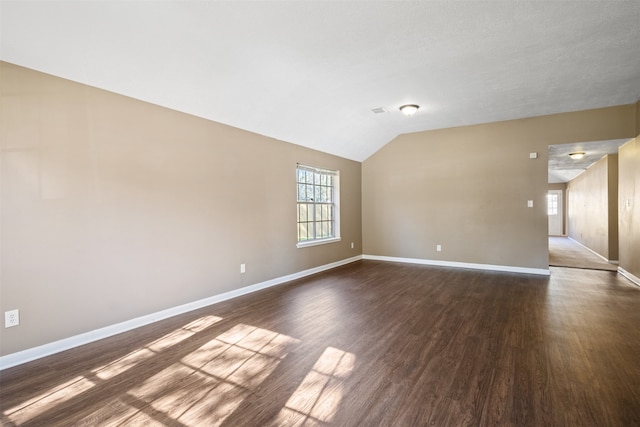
{"x":563,"y":168}
{"x":310,"y":72}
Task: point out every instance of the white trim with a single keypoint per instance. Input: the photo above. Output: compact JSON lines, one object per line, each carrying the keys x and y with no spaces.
{"x":511,"y":269}
{"x":38,"y":352}
{"x":625,"y":273}
{"x":593,"y":252}
{"x":316,"y":242}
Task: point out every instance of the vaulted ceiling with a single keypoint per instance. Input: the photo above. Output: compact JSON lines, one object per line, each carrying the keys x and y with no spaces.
{"x":310,"y":72}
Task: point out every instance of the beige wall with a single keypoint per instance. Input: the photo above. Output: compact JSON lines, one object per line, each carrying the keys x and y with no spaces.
{"x":114,"y":208}
{"x":562,"y":186}
{"x":558,"y":186}
{"x":629,"y":202}
{"x":592,"y":207}
{"x":467,"y":188}
{"x":612,"y":193}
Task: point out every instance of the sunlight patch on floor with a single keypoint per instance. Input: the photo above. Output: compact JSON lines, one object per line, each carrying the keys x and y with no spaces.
{"x":125,"y":363}
{"x":317,"y":399}
{"x":78,"y":385}
{"x":116,"y":412}
{"x":203,"y":387}
{"x":49,"y":399}
{"x":208,"y":384}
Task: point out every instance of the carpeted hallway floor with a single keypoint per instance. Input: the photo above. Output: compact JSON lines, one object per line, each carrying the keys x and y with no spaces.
{"x":564,"y":252}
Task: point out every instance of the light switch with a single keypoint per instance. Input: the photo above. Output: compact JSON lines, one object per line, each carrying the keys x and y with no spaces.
{"x":533,"y":155}
{"x":530,"y":203}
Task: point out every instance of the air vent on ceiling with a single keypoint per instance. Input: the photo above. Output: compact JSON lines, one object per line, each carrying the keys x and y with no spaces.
{"x":379,"y":110}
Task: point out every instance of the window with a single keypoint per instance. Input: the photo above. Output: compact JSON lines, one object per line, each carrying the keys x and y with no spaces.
{"x":318,"y":217}
{"x":552,"y":204}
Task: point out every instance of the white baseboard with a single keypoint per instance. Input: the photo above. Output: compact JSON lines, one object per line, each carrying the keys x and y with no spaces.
{"x":511,"y":269}
{"x":38,"y":352}
{"x":625,"y":273}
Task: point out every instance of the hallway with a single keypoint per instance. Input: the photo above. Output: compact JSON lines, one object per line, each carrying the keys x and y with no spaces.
{"x":565,"y":252}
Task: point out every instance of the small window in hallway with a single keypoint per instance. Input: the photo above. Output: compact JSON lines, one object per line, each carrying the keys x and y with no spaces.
{"x":552,"y":204}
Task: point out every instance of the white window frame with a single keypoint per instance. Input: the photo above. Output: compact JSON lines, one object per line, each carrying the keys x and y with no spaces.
{"x":335,"y":202}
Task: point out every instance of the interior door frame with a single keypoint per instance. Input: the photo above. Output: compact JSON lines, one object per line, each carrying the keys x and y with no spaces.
{"x":561,"y":210}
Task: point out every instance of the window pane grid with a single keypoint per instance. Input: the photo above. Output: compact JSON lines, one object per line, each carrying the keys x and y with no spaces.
{"x":552,"y":204}
{"x":316,"y":208}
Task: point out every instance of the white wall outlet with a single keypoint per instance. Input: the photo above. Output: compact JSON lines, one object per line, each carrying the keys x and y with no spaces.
{"x":351,"y":245}
{"x":439,"y":248}
{"x":530,"y":203}
{"x":533,"y":155}
{"x":243,"y":268}
{"x":11,"y":318}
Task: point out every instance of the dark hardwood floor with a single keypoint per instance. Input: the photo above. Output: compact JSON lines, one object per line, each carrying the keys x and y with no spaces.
{"x":367,"y":344}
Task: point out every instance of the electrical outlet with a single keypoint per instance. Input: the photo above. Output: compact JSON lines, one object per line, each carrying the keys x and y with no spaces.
{"x":11,"y":318}
{"x":351,"y":245}
{"x":439,"y":248}
{"x":242,"y":268}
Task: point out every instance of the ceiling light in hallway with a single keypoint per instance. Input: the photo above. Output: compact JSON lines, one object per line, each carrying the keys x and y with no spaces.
{"x":409,"y":109}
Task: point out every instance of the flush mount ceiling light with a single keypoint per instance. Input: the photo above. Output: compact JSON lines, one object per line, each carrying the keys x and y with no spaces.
{"x":577,"y":155}
{"x":409,"y":109}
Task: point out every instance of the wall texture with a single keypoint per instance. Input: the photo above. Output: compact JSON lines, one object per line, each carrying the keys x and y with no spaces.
{"x":113,"y":208}
{"x":629,"y":202}
{"x":467,"y":188}
{"x":592,"y":207}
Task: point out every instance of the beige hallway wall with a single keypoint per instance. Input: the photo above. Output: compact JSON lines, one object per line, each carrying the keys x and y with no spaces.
{"x":592,"y":207}
{"x":629,"y":202}
{"x":467,"y":188}
{"x":114,"y":208}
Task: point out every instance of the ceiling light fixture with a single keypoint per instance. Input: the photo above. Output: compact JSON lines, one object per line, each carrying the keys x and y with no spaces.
{"x":577,"y":155}
{"x":409,"y":109}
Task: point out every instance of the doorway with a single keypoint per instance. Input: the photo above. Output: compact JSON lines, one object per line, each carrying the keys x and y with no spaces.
{"x":555,"y":212}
